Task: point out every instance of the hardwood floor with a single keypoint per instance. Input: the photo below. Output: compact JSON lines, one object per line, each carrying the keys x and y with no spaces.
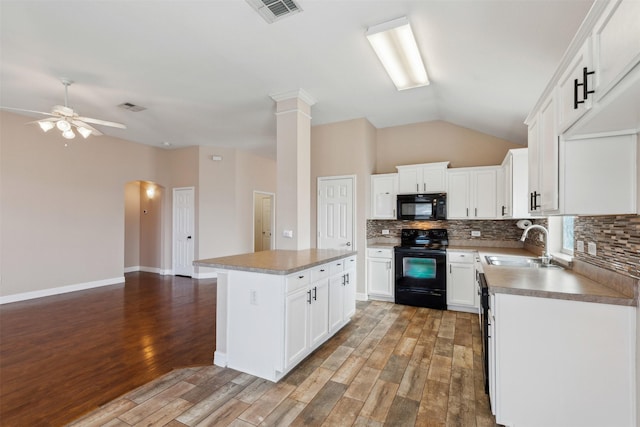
{"x":64,"y":356}
{"x":393,"y":365}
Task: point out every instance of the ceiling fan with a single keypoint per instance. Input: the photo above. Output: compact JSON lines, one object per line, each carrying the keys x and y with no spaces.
{"x":65,"y":119}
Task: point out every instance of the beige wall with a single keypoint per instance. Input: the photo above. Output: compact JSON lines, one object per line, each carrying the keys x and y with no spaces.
{"x":151,"y":215}
{"x":63,"y":215}
{"x":345,"y":148}
{"x":63,"y":208}
{"x":437,"y":141}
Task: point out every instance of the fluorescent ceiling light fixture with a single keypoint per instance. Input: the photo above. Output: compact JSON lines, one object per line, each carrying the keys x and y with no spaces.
{"x":397,"y":49}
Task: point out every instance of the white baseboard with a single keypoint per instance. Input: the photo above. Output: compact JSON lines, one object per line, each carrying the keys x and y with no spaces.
{"x":362,"y":296}
{"x":132,"y":269}
{"x":60,"y":290}
{"x":155,"y":270}
{"x":220,"y":359}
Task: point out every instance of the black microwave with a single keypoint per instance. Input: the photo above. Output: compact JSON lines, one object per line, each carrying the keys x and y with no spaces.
{"x":422,"y":206}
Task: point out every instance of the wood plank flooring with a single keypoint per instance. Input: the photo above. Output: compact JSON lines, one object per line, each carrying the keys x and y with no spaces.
{"x":66,"y":355}
{"x":393,"y":365}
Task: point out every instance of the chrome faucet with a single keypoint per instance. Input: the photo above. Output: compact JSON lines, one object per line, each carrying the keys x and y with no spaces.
{"x":546,"y":256}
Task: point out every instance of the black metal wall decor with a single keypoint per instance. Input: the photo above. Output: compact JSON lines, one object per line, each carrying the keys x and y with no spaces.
{"x":585,"y":88}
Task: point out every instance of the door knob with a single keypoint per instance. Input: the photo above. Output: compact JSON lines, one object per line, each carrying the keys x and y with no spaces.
{"x":348,"y":243}
{"x":188,"y":237}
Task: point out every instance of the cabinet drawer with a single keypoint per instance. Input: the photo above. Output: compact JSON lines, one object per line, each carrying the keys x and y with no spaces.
{"x":462,"y":257}
{"x":298,"y":280}
{"x":379,"y":253}
{"x":320,"y":272}
{"x":337,"y":267}
{"x":350,"y":262}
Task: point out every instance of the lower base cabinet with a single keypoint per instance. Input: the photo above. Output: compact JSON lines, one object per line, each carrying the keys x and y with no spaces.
{"x":563,"y":363}
{"x":462,"y":292}
{"x":268,"y":323}
{"x":380,"y":278}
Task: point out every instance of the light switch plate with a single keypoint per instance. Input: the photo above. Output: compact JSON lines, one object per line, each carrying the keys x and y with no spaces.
{"x":288,"y":233}
{"x":580,"y":246}
{"x":475,"y":233}
{"x":592,"y":248}
{"x":385,"y":232}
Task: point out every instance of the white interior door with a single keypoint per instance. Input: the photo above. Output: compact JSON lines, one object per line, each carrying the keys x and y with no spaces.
{"x":183,"y":231}
{"x":266,"y":223}
{"x":335,"y":213}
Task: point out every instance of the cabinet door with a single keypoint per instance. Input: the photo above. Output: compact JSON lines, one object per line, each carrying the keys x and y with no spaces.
{"x":534,"y":169}
{"x":297,"y":326}
{"x":461,"y":288}
{"x":349,"y":301}
{"x":485,"y":186}
{"x":434,"y":180}
{"x":505,"y":188}
{"x":379,"y":274}
{"x":336,"y":301}
{"x":458,"y":195}
{"x":548,"y":160}
{"x":572,"y":103}
{"x":383,"y":196}
{"x":319,"y":312}
{"x":408,"y":180}
{"x":617,"y":44}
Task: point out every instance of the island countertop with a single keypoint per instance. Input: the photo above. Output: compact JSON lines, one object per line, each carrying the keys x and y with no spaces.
{"x":280,"y":262}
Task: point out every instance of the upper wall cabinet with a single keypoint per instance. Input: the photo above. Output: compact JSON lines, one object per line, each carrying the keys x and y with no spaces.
{"x":384,"y":188}
{"x":472,"y":193}
{"x":593,"y":94}
{"x":513,"y":185}
{"x":423,"y":178}
{"x":597,"y":84}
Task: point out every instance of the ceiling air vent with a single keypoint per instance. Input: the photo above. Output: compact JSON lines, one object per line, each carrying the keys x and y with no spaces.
{"x":131,"y":107}
{"x":274,"y":10}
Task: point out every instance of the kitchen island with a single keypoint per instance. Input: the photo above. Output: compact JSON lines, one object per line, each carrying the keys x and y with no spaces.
{"x":276,"y":307}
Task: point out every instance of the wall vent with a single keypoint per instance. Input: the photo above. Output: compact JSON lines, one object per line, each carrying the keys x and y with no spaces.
{"x":274,"y":10}
{"x":131,"y":107}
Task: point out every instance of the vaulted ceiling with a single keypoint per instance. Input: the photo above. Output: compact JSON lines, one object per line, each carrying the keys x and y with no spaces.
{"x":204,"y":70}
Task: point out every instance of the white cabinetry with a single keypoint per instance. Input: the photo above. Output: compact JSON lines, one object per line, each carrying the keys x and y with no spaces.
{"x":384,"y":188}
{"x":423,"y":178}
{"x":307,"y":313}
{"x":267,"y":323}
{"x":472,"y":193}
{"x":599,"y":175}
{"x":513,"y":185}
{"x":593,"y":93}
{"x":546,"y":354}
{"x":380,"y":279}
{"x":462,"y":293}
{"x":342,"y":292}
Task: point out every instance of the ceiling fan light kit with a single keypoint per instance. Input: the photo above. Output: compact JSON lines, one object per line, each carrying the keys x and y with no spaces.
{"x":65,"y":119}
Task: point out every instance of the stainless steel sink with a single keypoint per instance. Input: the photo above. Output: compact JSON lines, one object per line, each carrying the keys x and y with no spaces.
{"x":518,"y":261}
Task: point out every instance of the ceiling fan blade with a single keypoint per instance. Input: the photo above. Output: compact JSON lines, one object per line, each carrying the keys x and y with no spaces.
{"x":27,"y":111}
{"x":82,"y":124}
{"x":102,"y":122}
{"x":50,"y":119}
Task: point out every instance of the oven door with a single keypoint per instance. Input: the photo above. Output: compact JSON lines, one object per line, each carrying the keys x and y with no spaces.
{"x":421,"y":278}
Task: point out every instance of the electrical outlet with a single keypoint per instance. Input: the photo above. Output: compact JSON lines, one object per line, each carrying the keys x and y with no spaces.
{"x":385,"y":232}
{"x":475,"y":233}
{"x":580,"y":246}
{"x":288,"y":234}
{"x":592,"y":248}
{"x":540,"y":238}
{"x":253,"y":297}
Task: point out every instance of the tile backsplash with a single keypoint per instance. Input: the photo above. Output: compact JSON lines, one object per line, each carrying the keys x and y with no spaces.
{"x":617,"y":240}
{"x":503,"y":232}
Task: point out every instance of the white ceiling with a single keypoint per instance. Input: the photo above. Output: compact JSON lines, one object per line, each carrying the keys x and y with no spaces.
{"x":205,"y":69}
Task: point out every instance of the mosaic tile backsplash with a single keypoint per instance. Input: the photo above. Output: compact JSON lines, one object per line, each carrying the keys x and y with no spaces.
{"x":490,"y":231}
{"x":617,"y":237}
{"x":617,"y":240}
